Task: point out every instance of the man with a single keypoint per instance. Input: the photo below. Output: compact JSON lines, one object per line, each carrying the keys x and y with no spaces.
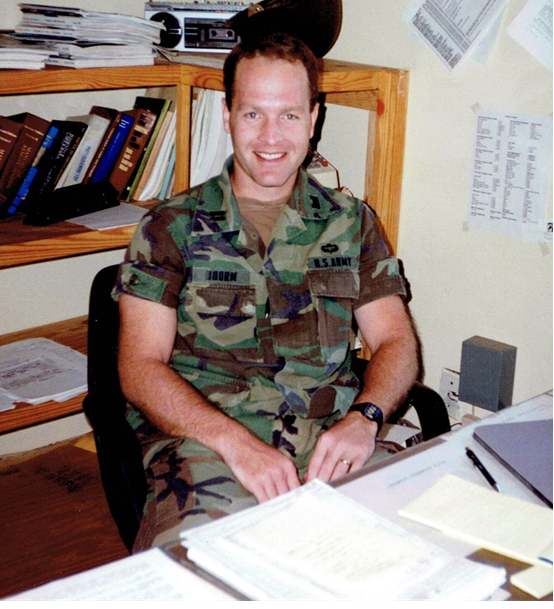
{"x":237,"y":299}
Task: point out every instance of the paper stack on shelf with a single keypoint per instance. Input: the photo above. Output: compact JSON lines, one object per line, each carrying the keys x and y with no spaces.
{"x":38,"y":370}
{"x":80,"y":38}
{"x":315,"y":544}
{"x":17,"y":55}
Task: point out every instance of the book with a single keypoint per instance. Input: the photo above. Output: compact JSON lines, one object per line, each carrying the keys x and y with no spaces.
{"x":160,"y":107}
{"x":313,"y":543}
{"x":132,"y":149}
{"x":9,"y":132}
{"x":169,"y":177}
{"x":113,"y":142}
{"x":54,"y":161}
{"x":154,"y":173}
{"x":81,"y":159}
{"x":113,"y":117}
{"x":32,"y":171}
{"x":33,"y":130}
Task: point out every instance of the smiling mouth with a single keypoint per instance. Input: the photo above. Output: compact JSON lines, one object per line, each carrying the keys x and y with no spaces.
{"x":266,"y":156}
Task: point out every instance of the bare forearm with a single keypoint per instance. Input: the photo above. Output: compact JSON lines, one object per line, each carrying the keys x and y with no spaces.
{"x":175,"y":407}
{"x":390,"y":374}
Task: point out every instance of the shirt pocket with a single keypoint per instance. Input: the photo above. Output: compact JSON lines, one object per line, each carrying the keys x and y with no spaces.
{"x":334,"y":293}
{"x":224,"y":317}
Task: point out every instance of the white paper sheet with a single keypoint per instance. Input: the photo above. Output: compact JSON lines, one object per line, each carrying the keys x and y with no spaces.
{"x":147,"y":576}
{"x":452,"y":28}
{"x":532,"y":29}
{"x":124,"y":214}
{"x":511,"y":174}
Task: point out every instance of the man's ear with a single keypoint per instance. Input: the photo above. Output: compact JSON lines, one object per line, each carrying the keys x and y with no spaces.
{"x":313,"y":118}
{"x":226,"y":115}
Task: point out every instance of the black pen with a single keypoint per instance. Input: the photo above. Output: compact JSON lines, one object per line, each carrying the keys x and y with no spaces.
{"x":482,"y":469}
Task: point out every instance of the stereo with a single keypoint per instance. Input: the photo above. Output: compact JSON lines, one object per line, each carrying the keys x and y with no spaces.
{"x":196,"y":27}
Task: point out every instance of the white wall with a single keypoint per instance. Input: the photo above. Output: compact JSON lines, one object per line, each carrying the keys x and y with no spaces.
{"x":463,"y":282}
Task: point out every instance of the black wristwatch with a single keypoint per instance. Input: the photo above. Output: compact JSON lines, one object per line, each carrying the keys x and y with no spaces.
{"x":370,"y":411}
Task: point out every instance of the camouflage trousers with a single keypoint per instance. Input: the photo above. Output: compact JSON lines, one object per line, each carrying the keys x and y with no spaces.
{"x":190,"y":485}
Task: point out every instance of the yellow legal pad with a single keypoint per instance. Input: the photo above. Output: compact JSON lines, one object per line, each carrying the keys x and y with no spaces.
{"x":486,"y":519}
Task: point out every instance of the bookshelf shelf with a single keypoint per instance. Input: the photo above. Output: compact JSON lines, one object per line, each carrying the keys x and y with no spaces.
{"x":382,"y":91}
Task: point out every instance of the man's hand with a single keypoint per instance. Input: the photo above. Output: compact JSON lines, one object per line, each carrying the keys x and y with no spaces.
{"x":345,"y":447}
{"x":262,"y":469}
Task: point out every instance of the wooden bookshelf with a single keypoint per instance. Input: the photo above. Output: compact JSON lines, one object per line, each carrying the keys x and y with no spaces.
{"x":383,"y":92}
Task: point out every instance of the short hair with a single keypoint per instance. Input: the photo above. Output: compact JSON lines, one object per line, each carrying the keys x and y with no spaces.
{"x":271,"y":45}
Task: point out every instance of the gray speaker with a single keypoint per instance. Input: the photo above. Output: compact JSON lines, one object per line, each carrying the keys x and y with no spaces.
{"x":487,"y":373}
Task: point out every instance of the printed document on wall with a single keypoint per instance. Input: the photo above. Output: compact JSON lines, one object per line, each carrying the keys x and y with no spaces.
{"x":510,"y":177}
{"x":453,"y":28}
{"x":532,"y":29}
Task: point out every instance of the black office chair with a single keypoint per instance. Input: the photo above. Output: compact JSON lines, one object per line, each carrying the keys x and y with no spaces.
{"x":119,"y":453}
{"x":117,"y":447}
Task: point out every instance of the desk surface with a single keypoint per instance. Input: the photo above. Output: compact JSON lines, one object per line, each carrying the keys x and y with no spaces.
{"x":390,"y":485}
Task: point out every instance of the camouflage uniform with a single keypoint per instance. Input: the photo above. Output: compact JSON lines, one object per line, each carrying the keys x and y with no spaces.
{"x":265,"y":336}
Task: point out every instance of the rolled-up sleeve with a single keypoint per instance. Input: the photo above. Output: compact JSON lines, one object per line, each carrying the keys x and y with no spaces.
{"x":380,"y":274}
{"x":153,"y":267}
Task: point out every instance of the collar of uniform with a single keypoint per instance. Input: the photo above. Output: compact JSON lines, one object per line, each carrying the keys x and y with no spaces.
{"x":312,"y":200}
{"x":217,"y":209}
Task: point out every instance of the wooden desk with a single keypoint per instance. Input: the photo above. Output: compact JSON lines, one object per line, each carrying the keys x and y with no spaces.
{"x":72,"y":333}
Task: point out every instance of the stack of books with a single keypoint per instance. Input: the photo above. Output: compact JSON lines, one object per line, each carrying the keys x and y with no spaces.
{"x":131,"y":149}
{"x":79,"y":38}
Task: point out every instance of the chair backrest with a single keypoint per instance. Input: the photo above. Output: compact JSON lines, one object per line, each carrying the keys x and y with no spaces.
{"x":118,"y":449}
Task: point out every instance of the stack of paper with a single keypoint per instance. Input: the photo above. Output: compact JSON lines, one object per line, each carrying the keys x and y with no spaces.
{"x":18,"y":55}
{"x":146,"y":576}
{"x":315,"y":544}
{"x":38,"y":370}
{"x":80,"y":38}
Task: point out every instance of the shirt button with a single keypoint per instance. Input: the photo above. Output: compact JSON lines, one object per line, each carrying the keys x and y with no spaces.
{"x":134,"y":280}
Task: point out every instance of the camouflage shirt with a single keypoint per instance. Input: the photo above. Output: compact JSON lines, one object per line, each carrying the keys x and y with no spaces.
{"x":262,"y":327}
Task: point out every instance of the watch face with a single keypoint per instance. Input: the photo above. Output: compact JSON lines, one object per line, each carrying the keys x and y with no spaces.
{"x":371,"y":411}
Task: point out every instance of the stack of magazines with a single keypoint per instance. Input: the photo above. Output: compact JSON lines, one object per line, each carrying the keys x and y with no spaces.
{"x":78,"y":38}
{"x":38,"y":370}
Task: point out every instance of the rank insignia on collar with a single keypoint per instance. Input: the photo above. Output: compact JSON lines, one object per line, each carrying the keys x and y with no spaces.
{"x":218,"y":216}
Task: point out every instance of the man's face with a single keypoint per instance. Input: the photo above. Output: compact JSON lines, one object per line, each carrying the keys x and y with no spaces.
{"x":271,"y":124}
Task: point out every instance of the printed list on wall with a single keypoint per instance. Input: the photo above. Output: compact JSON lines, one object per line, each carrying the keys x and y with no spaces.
{"x":510,"y":178}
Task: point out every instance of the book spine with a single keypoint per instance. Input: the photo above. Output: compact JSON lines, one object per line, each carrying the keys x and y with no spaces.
{"x":32,"y":133}
{"x":114,"y":122}
{"x":52,"y":165}
{"x":132,"y":150}
{"x":9,"y":132}
{"x":132,"y":185}
{"x":157,"y":149}
{"x":114,"y":146}
{"x":32,"y":171}
{"x":75,"y":170}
